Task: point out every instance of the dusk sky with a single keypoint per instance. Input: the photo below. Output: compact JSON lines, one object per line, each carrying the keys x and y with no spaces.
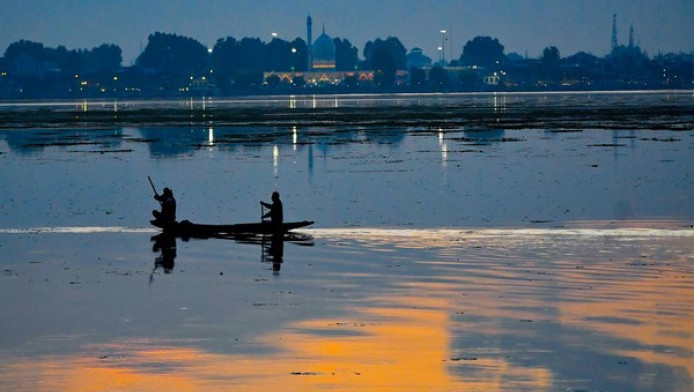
{"x":522,"y":26}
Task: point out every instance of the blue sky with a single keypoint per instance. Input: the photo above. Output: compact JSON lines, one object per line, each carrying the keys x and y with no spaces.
{"x":522,"y":26}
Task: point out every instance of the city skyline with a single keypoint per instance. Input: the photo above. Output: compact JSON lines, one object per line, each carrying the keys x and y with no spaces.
{"x":522,"y":26}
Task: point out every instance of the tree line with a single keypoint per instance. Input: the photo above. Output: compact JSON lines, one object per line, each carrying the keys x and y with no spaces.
{"x":174,"y":65}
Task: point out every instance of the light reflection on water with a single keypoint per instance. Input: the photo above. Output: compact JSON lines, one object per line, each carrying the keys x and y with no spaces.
{"x":366,"y":309}
{"x":444,"y":259}
{"x":351,"y":176}
{"x":500,"y":102}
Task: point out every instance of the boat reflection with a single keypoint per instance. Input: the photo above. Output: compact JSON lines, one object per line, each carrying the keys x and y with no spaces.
{"x":272,"y":248}
{"x":274,"y":252}
{"x":166,"y":245}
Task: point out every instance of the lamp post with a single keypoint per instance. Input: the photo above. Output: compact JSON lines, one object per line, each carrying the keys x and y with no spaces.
{"x":443,"y":48}
{"x":293,"y":59}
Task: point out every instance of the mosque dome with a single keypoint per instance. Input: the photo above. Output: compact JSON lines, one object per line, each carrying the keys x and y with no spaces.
{"x":323,"y":52}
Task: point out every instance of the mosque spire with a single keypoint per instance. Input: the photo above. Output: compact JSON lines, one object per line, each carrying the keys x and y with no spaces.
{"x":614,"y":32}
{"x":309,"y":43}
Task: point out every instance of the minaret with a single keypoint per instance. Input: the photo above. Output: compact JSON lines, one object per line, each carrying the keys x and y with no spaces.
{"x":309,"y":43}
{"x":631,"y":36}
{"x":614,"y":31}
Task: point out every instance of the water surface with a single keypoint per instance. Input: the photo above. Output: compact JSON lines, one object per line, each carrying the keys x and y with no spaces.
{"x":443,"y":257}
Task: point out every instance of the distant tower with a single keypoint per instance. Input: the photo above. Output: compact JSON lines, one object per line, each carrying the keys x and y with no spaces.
{"x":614,"y":31}
{"x":309,"y":43}
{"x":631,"y":36}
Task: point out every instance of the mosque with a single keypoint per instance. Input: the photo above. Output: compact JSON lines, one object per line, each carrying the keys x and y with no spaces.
{"x":321,"y":63}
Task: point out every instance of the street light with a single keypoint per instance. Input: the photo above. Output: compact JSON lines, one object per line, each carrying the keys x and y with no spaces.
{"x":443,"y":46}
{"x":293,"y":59}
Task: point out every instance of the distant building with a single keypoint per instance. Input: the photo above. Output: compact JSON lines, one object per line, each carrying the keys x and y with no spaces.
{"x":321,"y":63}
{"x":323,"y":52}
{"x":417,"y":59}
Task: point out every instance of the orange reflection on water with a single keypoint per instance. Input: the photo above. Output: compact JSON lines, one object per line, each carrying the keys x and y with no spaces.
{"x":654,"y":309}
{"x":400,"y":345}
{"x":451,"y":330}
{"x":90,"y":374}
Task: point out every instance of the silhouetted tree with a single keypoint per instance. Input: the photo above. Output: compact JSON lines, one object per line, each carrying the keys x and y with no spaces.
{"x":549,"y":64}
{"x":22,"y":47}
{"x":346,"y":55}
{"x":68,"y":60}
{"x":103,"y":58}
{"x":393,"y":46}
{"x":483,"y":51}
{"x":383,"y":65}
{"x":279,"y":55}
{"x":173,"y":54}
{"x":252,"y":55}
{"x":550,"y":55}
{"x":299,"y":58}
{"x":223,"y":59}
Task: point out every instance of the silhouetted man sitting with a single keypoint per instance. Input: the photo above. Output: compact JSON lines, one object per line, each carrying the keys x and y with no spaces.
{"x":275,"y":213}
{"x":167,"y":215}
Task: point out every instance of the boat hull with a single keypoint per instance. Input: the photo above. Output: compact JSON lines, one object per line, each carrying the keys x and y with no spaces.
{"x":190,"y":229}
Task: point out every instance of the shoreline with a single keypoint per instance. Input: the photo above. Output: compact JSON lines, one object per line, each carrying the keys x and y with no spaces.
{"x":640,"y":227}
{"x":555,"y":110}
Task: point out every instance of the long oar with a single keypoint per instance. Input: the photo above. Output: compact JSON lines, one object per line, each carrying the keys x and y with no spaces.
{"x":153,"y":187}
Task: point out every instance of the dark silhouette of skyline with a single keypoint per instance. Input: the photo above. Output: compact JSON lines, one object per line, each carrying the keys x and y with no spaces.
{"x":524,"y":26}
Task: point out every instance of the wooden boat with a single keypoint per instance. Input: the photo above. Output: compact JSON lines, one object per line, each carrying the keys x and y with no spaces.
{"x":186,"y":228}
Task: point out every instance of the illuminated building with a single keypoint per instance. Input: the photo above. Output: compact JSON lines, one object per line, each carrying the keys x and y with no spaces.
{"x":321,"y":56}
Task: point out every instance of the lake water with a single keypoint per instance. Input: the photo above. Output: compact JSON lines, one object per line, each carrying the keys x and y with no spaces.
{"x":442,"y":258}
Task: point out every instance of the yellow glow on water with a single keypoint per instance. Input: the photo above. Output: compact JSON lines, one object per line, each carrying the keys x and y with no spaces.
{"x":422,"y":334}
{"x":652,"y":312}
{"x":402,"y":347}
